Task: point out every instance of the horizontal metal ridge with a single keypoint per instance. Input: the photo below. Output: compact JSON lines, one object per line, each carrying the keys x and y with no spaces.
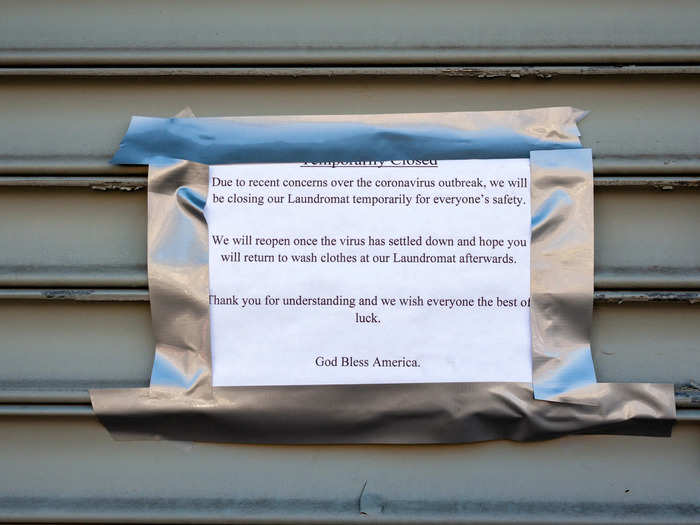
{"x":105,"y":183}
{"x":80,"y":276}
{"x":646,"y":182}
{"x":74,"y":294}
{"x":85,"y":410}
{"x":480,"y":72}
{"x":27,"y":401}
{"x":624,"y":296}
{"x":37,"y":396}
{"x":648,"y":165}
{"x":687,"y":396}
{"x":329,"y":54}
{"x":46,"y":410}
{"x":647,"y":278}
{"x":688,"y":415}
{"x":40,"y":279}
{"x":141,"y":294}
{"x":132,"y":183}
{"x":236,"y":508}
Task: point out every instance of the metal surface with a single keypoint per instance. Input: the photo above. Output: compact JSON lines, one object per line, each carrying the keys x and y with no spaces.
{"x":482,"y":72}
{"x":72,"y":126}
{"x":69,"y":470}
{"x":136,"y":183}
{"x":46,"y":410}
{"x":83,"y":238}
{"x":74,"y":294}
{"x":131,"y":294}
{"x":646,"y":296}
{"x":72,"y":165}
{"x":688,"y":396}
{"x":98,"y":183}
{"x":395,"y":32}
{"x":95,"y":63}
{"x":110,"y":343}
{"x":646,"y":183}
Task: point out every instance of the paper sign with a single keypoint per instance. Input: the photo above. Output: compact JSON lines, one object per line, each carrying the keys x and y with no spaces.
{"x":370,"y":272}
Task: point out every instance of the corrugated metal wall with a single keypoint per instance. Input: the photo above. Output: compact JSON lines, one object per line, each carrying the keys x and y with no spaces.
{"x":73,"y":299}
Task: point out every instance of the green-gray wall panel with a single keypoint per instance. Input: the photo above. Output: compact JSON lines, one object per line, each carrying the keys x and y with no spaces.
{"x":74,"y":346}
{"x":55,"y":346}
{"x":66,"y":237}
{"x":359,"y":32}
{"x":81,"y":237}
{"x":70,"y":470}
{"x":647,"y":239}
{"x":66,"y":123}
{"x":646,"y":342}
{"x":73,"y":72}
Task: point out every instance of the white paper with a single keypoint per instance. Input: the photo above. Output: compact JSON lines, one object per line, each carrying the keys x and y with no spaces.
{"x":277,"y":321}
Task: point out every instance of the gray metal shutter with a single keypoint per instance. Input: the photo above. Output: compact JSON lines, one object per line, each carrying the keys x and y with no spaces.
{"x":73,"y":299}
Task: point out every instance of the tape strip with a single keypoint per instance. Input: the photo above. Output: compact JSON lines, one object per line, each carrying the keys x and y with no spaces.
{"x":561,"y":269}
{"x":181,"y":403}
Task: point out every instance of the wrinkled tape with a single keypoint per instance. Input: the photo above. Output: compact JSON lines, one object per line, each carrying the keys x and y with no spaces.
{"x":181,"y":403}
{"x":319,"y":138}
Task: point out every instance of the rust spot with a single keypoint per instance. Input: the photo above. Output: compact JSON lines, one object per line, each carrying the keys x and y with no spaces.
{"x":65,"y":294}
{"x":109,"y":186}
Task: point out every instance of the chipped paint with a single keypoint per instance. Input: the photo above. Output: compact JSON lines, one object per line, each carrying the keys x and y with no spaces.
{"x":135,"y":183}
